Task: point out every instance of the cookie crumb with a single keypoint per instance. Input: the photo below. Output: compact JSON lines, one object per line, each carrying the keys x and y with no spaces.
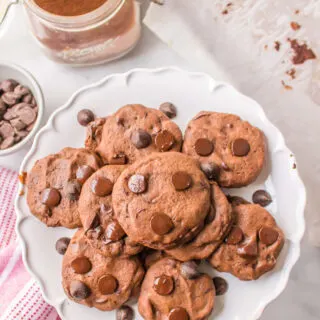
{"x":229,"y":4}
{"x":295,"y":25}
{"x":302,"y":52}
{"x":297,"y":11}
{"x":21,"y":193}
{"x":287,"y":87}
{"x":291,"y":73}
{"x":224,"y":12}
{"x":23,"y":177}
{"x":277,"y":45}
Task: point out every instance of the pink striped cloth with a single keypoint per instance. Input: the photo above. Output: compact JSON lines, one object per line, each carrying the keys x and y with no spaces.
{"x":20,"y":296}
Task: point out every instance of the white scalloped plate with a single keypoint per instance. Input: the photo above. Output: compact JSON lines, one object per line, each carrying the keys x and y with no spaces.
{"x":191,"y":93}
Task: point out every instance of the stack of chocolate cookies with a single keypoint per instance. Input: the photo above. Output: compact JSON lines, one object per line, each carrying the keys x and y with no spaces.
{"x":149,"y":207}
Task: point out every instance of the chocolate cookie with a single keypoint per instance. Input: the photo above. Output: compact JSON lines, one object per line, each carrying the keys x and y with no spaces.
{"x":252,"y":246}
{"x":230,"y":150}
{"x":54,"y":185}
{"x":95,"y":207}
{"x":171,"y":290}
{"x":162,"y":200}
{"x":133,"y":132}
{"x":218,"y":223}
{"x":95,"y":280}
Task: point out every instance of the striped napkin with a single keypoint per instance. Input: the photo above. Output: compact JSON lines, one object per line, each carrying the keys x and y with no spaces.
{"x":20,"y":296}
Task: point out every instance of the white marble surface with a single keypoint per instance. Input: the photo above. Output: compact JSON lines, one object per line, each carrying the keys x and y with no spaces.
{"x":298,"y":122}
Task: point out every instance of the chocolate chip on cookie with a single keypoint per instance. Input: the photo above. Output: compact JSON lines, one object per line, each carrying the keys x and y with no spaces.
{"x":248,"y":250}
{"x":261,"y":197}
{"x":101,"y":186}
{"x":114,"y":231}
{"x":203,"y":147}
{"x":62,"y":245}
{"x":73,"y":189}
{"x":181,"y":180}
{"x":137,"y":183}
{"x":164,"y":141}
{"x":163,"y":285}
{"x":108,"y":284}
{"x":83,"y":173}
{"x":235,"y":236}
{"x":178,"y":314}
{"x":81,"y":265}
{"x":161,"y":224}
{"x":268,"y":235}
{"x":141,"y":139}
{"x":118,"y":159}
{"x":50,"y":197}
{"x":79,"y":290}
{"x":240,"y":147}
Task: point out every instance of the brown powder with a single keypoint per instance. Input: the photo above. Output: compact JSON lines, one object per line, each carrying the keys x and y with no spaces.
{"x":287,"y":87}
{"x":295,"y":25}
{"x":291,"y":73}
{"x":301,"y":52}
{"x":277,"y":45}
{"x":69,"y":7}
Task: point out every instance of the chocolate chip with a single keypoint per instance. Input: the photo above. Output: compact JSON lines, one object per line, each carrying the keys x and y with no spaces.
{"x":79,"y":290}
{"x":62,"y":245}
{"x":235,"y":236}
{"x":107,"y":284}
{"x":27,"y":115}
{"x":114,"y":231}
{"x":101,"y":186}
{"x":124,"y":313}
{"x":27,"y":98}
{"x":236,"y":200}
{"x":240,"y":147}
{"x":21,"y":90}
{"x":81,"y":265}
{"x":92,"y":222}
{"x":22,"y":133}
{"x":118,"y":159}
{"x":17,"y":124}
{"x":137,"y":183}
{"x":189,"y":270}
{"x":10,"y":114}
{"x":8,"y":85}
{"x":181,"y":180}
{"x":85,"y":116}
{"x":178,"y":314}
{"x":73,"y":189}
{"x":3,"y":107}
{"x":50,"y":197}
{"x":141,"y":139}
{"x":168,"y":109}
{"x":262,"y":197}
{"x":10,"y":98}
{"x":268,"y":235}
{"x":83,"y":173}
{"x":220,"y":285}
{"x":164,"y":140}
{"x":163,"y":285}
{"x":161,"y":224}
{"x":211,"y":170}
{"x":248,"y":250}
{"x":203,"y":147}
{"x":6,"y":130}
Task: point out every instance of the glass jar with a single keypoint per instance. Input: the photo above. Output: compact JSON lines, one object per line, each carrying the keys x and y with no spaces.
{"x":102,"y":35}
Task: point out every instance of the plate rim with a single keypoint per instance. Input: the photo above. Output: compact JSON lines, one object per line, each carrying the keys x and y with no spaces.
{"x":300,"y":210}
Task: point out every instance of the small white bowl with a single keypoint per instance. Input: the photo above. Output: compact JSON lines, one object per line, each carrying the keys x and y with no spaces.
{"x":12,"y":71}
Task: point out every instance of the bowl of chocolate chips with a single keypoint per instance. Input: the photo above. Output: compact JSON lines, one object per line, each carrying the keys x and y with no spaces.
{"x":21,"y":107}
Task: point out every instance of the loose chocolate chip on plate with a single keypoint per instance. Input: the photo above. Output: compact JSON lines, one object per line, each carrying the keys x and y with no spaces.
{"x":107,"y":284}
{"x":119,"y":159}
{"x":211,"y":170}
{"x":85,"y":116}
{"x":168,"y":109}
{"x":137,"y":183}
{"x":83,"y":173}
{"x":62,"y":245}
{"x":163,"y":285}
{"x":124,"y":313}
{"x":262,"y":197}
{"x":161,"y":224}
{"x":181,"y":180}
{"x":268,"y":235}
{"x":101,"y":186}
{"x":189,"y":270}
{"x":220,"y":285}
{"x":114,"y":231}
{"x":240,"y":147}
{"x":203,"y":147}
{"x":81,"y":265}
{"x":73,"y":189}
{"x":141,"y":139}
{"x":235,"y":236}
{"x":79,"y":290}
{"x":10,"y":98}
{"x":8,"y":85}
{"x":248,"y":250}
{"x":178,"y":314}
{"x":50,"y":197}
{"x":164,"y":140}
